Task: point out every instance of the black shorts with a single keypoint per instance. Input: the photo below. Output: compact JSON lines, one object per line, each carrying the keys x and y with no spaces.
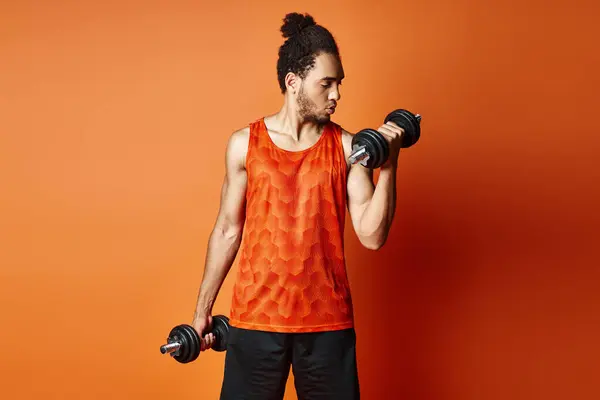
{"x":257,"y":365}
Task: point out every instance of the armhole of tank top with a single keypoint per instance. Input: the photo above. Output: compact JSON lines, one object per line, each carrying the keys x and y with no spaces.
{"x":339,"y":140}
{"x":252,"y":139}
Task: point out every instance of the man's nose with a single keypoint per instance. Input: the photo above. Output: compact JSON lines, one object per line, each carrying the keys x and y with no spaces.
{"x":335,"y":95}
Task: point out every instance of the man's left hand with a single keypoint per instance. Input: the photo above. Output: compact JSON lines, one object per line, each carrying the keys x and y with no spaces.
{"x":393,"y":135}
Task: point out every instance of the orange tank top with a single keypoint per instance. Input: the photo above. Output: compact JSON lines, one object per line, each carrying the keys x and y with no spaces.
{"x":291,"y":268}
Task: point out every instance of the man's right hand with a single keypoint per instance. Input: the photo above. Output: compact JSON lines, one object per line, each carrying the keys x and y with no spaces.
{"x":202,"y":324}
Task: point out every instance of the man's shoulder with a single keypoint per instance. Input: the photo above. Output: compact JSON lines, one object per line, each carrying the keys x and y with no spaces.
{"x":344,"y":132}
{"x":243,"y":133}
{"x":239,"y":139}
{"x":240,"y":133}
{"x":347,"y":137}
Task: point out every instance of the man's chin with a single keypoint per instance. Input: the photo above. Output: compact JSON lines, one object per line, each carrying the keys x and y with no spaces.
{"x":323,"y":119}
{"x":318,"y":118}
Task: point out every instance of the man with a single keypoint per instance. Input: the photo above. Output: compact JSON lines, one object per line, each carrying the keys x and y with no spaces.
{"x":283,"y":203}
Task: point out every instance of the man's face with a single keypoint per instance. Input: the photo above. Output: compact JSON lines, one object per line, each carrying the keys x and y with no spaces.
{"x":320,"y":90}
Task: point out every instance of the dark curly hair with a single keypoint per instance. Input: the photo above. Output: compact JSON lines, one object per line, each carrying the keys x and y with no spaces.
{"x":305,"y":40}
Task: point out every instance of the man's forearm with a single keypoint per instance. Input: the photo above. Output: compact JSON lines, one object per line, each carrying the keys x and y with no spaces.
{"x":379,"y":213}
{"x":222,"y":249}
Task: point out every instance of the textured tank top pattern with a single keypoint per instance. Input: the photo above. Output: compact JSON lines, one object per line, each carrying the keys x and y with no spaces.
{"x":291,"y":272}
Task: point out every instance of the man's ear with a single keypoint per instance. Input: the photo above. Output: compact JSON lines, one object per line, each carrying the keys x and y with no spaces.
{"x":292,"y":82}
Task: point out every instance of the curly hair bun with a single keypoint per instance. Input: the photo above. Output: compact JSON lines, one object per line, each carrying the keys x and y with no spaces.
{"x":294,"y":23}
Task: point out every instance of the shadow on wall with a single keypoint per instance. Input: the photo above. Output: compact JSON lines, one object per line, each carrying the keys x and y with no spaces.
{"x":406,"y":294}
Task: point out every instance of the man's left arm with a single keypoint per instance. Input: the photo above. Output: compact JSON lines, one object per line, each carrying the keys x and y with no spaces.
{"x":372,"y":207}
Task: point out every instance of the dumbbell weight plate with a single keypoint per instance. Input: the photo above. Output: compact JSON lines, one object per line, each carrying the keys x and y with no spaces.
{"x":194,"y":343}
{"x":380,"y":147}
{"x":384,"y":150}
{"x":375,"y":145}
{"x":181,"y":335}
{"x":221,"y":332}
{"x":190,"y":343}
{"x":407,"y":121}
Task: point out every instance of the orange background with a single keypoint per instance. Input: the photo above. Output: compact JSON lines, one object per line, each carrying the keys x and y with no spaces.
{"x":114,"y":118}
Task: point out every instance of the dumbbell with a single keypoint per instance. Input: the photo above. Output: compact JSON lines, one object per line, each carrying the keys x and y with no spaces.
{"x":183,"y":343}
{"x":370,"y":148}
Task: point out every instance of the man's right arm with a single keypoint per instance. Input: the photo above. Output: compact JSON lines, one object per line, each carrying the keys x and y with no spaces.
{"x":226,"y":235}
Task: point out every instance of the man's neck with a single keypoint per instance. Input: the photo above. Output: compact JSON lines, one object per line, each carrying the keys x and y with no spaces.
{"x":288,"y":121}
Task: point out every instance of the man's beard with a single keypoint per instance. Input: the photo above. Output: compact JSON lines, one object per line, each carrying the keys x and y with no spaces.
{"x":308,"y":109}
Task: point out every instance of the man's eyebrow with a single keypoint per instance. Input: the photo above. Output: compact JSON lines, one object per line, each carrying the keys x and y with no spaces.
{"x":331,"y":78}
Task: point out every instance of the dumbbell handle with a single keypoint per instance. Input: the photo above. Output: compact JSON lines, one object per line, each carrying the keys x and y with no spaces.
{"x":359,"y":153}
{"x":170,"y":347}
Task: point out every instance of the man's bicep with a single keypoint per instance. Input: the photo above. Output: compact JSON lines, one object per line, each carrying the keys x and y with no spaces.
{"x":360,"y":190}
{"x":233,"y":192}
{"x":360,"y":185}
